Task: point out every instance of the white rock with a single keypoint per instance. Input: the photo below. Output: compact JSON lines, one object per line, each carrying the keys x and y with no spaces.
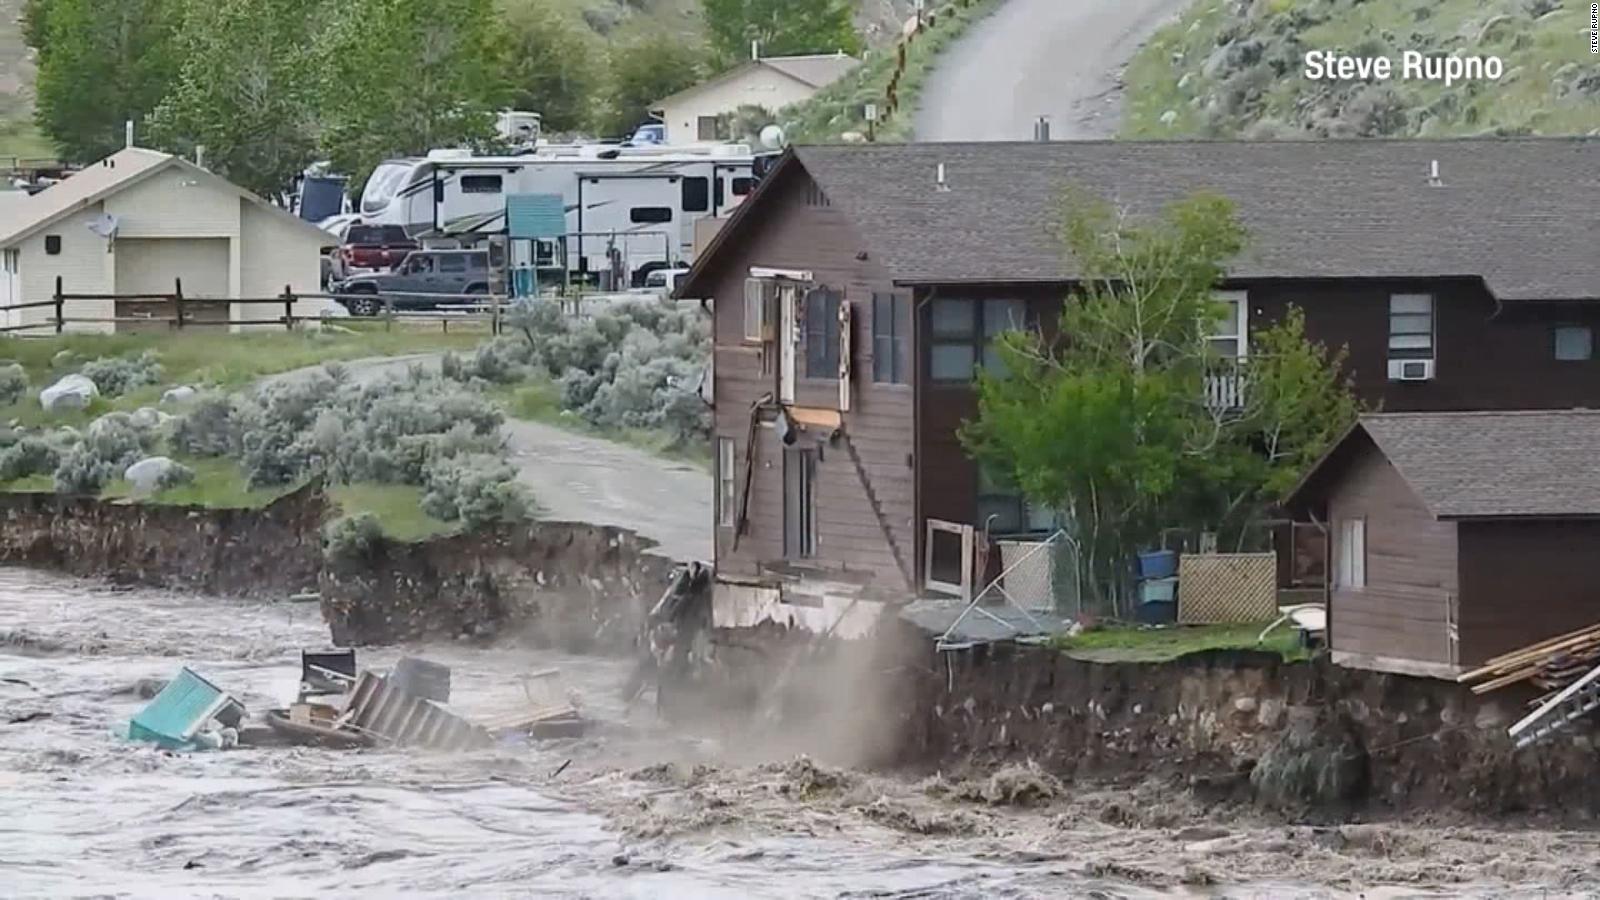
{"x":146,"y":474}
{"x":1168,"y":117}
{"x":71,"y":392}
{"x":180,"y":394}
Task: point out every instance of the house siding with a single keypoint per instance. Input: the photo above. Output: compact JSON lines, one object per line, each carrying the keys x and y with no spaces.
{"x":851,"y":543}
{"x":1524,"y":581}
{"x":84,"y":266}
{"x":175,"y":203}
{"x":276,"y":253}
{"x":757,"y":86}
{"x":1411,"y":574}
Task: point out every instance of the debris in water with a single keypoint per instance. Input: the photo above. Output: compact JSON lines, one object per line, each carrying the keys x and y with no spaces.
{"x":1012,"y":786}
{"x":28,"y":717}
{"x":804,"y":779}
{"x":421,"y":679}
{"x":549,"y":710}
{"x":901,"y":817}
{"x":186,"y":715}
{"x":326,"y":672}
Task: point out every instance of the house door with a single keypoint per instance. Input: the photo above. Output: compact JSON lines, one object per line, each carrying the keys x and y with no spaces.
{"x":788,"y":339}
{"x":799,"y":504}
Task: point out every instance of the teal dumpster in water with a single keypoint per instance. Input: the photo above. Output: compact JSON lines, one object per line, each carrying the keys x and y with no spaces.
{"x":182,"y":709}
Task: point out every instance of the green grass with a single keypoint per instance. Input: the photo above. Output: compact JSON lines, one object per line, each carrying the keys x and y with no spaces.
{"x":1130,"y":644}
{"x":397,"y":506}
{"x":33,"y":484}
{"x":218,"y":484}
{"x":24,"y":140}
{"x":1542,"y":59}
{"x":226,"y":361}
{"x":540,"y":401}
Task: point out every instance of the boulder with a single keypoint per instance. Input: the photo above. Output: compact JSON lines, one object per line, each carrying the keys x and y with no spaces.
{"x":71,"y":392}
{"x":180,"y":394}
{"x":148,"y":474}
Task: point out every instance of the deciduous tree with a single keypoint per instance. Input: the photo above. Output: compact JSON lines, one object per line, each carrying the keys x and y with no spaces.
{"x":642,"y":72}
{"x":779,"y":27}
{"x":552,"y":64}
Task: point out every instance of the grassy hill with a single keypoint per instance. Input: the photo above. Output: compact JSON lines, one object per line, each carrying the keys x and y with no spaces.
{"x":1234,"y":68}
{"x":612,"y":20}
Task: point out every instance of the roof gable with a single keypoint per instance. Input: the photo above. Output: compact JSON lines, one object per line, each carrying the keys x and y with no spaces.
{"x":1513,"y":212}
{"x":811,"y":71}
{"x":115,"y":173}
{"x":1483,"y":464}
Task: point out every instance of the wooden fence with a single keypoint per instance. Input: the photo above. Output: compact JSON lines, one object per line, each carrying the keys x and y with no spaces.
{"x":177,"y":311}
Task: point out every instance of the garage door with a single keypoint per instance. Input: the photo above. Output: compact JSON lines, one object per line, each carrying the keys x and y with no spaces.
{"x":154,"y":266}
{"x":151,"y":266}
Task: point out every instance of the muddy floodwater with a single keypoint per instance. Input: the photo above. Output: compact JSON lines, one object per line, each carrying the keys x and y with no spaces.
{"x":632,"y":810}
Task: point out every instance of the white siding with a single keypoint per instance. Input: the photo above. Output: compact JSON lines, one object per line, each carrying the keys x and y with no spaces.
{"x":154,"y":265}
{"x":277,"y":252}
{"x":175,"y":203}
{"x":757,"y":86}
{"x":83,"y":265}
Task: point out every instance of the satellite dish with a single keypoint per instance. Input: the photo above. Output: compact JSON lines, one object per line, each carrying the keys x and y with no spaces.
{"x":772,"y":137}
{"x":105,"y":225}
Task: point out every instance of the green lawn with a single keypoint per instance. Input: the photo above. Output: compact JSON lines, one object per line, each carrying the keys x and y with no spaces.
{"x":397,"y":506}
{"x":1131,"y":644}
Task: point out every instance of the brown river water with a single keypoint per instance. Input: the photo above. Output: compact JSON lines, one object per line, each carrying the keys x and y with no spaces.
{"x":637,"y":811}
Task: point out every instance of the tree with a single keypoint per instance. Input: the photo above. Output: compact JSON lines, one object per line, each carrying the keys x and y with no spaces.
{"x":642,"y":72}
{"x":245,"y":90}
{"x":778,"y":27}
{"x":101,"y":64}
{"x":550,"y":64}
{"x":401,"y":77}
{"x":1109,"y":423}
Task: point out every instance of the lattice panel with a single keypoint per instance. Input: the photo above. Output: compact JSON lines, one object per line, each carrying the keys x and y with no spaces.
{"x":1227,"y":587}
{"x":1029,"y":573}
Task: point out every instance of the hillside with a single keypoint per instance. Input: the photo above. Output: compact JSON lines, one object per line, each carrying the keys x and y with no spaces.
{"x":612,"y":20}
{"x":1234,"y":68}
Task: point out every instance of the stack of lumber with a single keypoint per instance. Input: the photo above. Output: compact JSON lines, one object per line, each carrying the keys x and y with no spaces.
{"x":1548,"y":665}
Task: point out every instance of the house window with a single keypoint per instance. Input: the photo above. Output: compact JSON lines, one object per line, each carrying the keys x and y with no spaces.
{"x":725,"y":482}
{"x":52,"y":244}
{"x":822,"y":334}
{"x":799,"y":504}
{"x":696,"y":194}
{"x":645,"y":215}
{"x":1574,"y":343}
{"x":1411,"y":326}
{"x":1229,"y":337}
{"x":1004,"y":509}
{"x":706,"y":128}
{"x":963,"y":333}
{"x":891,"y":333}
{"x":815,"y":196}
{"x":758,"y":294}
{"x":1352,"y":557}
{"x":480,"y":184}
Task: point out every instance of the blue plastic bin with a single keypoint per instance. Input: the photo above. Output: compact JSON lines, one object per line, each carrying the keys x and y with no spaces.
{"x":1158,"y":564}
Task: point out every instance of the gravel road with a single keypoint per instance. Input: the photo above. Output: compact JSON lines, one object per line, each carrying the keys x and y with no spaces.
{"x":1057,"y":58}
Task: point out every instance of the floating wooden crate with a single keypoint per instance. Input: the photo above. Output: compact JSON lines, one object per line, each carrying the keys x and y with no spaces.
{"x":1222,"y":588}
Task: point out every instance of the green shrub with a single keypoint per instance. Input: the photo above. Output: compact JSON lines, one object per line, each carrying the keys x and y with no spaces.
{"x":351,"y":537}
{"x":117,"y":375}
{"x":31,"y":455}
{"x":13,"y":383}
{"x":476,"y":489}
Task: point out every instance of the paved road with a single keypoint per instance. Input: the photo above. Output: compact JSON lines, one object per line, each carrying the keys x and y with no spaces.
{"x":1058,"y":58}
{"x":580,"y":478}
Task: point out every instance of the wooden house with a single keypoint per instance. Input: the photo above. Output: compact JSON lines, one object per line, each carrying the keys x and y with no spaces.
{"x":1457,"y":536}
{"x":860,"y":286}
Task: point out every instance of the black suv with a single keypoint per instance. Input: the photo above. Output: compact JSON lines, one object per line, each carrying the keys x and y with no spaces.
{"x":425,"y":279}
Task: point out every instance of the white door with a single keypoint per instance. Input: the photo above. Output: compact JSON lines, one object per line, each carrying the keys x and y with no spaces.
{"x":788,"y":339}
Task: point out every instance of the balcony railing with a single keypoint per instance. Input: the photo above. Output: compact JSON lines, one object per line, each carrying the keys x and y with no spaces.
{"x":1226,"y":382}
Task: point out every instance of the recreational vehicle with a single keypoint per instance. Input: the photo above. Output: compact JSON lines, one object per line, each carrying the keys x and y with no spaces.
{"x":638,"y":205}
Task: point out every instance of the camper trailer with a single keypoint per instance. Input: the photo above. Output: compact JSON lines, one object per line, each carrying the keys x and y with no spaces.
{"x":641,"y":203}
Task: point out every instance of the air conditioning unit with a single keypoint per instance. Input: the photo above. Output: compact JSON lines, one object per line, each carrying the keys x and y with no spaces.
{"x":1410,"y":370}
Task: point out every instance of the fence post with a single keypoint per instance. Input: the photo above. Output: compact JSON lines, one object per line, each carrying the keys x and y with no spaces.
{"x":60,"y":306}
{"x":177,"y":301}
{"x":288,"y":307}
{"x":388,"y":313}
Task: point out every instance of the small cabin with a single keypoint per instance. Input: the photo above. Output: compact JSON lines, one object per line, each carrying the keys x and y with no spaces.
{"x":1454,"y":537}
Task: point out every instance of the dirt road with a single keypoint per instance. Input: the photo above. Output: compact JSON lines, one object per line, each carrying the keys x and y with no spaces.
{"x":1031,"y":58}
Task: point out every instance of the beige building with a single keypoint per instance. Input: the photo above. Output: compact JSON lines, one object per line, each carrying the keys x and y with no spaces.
{"x":137,"y":222}
{"x":691,"y":115}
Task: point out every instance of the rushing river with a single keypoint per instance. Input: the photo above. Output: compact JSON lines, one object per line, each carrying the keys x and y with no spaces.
{"x":631,"y":810}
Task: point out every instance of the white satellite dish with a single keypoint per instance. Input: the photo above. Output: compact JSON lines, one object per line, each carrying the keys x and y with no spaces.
{"x":772,"y":137}
{"x":105,"y":225}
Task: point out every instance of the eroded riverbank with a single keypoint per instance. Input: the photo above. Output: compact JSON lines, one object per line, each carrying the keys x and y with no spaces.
{"x":640,"y":811}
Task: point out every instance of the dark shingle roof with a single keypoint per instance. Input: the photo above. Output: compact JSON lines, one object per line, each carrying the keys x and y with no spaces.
{"x":1519,"y":212}
{"x":1474,"y":464}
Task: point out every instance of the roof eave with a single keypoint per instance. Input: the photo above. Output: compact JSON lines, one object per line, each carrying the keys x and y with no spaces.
{"x":691,"y":286}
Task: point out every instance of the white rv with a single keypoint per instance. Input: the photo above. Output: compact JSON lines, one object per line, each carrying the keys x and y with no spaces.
{"x":636,"y":204}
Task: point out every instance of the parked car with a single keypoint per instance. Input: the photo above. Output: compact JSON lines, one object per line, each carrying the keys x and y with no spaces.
{"x":649,"y":134}
{"x":663,"y":282}
{"x":332,"y":259}
{"x":372,"y":248}
{"x":425,"y":279}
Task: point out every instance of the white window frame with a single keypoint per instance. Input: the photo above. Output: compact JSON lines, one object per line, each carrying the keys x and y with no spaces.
{"x":1351,"y":555}
{"x":1414,"y":353}
{"x":1238,"y":322}
{"x":727,"y":485}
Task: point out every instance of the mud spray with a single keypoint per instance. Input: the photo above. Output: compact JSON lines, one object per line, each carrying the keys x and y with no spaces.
{"x":637,"y":809}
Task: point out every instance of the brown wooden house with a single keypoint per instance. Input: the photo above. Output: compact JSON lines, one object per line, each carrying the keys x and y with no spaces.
{"x":856,"y":291}
{"x":1455,"y":537}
